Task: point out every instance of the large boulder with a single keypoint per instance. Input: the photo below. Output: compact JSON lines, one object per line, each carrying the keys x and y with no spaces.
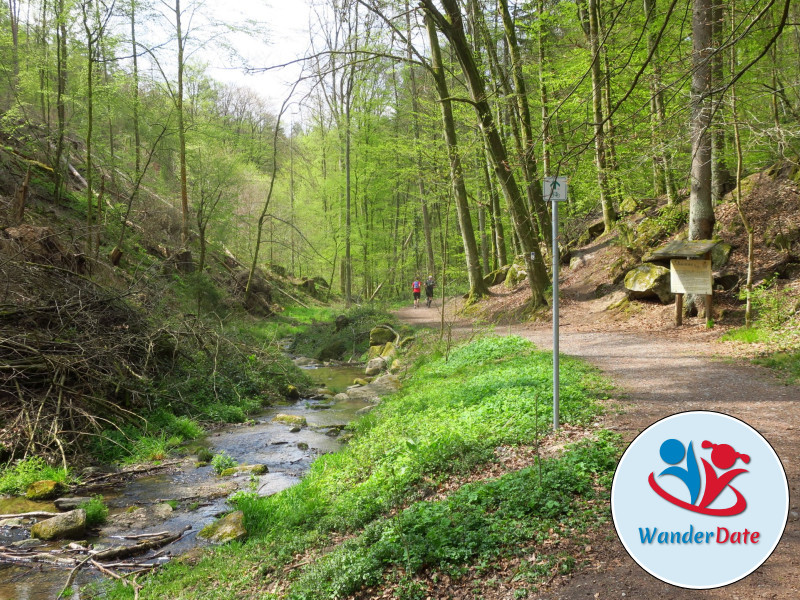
{"x":71,"y":524}
{"x":333,"y":351}
{"x":341,"y":322}
{"x":259,"y":299}
{"x":375,"y":366}
{"x":516,"y":275}
{"x":290,"y":419}
{"x":720,"y":255}
{"x":378,"y":336}
{"x":389,"y":352}
{"x":648,"y":281}
{"x":229,"y":528}
{"x":45,"y":490}
{"x":65,"y":504}
{"x":375,"y":351}
{"x":496,"y":277}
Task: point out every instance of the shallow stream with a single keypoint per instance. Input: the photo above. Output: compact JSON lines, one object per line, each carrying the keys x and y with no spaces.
{"x":188,"y":495}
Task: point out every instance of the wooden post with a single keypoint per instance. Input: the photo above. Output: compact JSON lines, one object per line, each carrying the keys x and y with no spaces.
{"x":678,"y":310}
{"x":709,"y":320}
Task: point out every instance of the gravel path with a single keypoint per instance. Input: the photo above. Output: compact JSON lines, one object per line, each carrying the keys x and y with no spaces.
{"x":657,"y":375}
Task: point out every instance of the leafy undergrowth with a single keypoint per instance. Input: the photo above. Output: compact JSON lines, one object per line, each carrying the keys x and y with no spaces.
{"x":16,"y":478}
{"x":447,"y":420}
{"x":323,"y":340}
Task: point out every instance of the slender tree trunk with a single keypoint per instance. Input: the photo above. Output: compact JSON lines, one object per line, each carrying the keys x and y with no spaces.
{"x":348,"y":265}
{"x":453,"y":29}
{"x":484,"y":238}
{"x":528,"y":156}
{"x":500,"y":255}
{"x":739,"y":164}
{"x":476,"y":286}
{"x":615,"y":184}
{"x":720,"y":175}
{"x":609,"y":215}
{"x":701,"y":210}
{"x":61,"y":109}
{"x":42,"y":68}
{"x":543,"y":91}
{"x":13,"y":12}
{"x":426,"y":221}
{"x":182,"y":134}
{"x":664,"y":179}
{"x":90,"y":50}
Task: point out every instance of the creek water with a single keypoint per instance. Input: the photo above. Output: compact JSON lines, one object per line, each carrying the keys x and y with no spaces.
{"x":188,"y":495}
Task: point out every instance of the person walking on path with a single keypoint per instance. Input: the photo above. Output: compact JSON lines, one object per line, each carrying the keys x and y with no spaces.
{"x":429,"y":285}
{"x":416,"y":288}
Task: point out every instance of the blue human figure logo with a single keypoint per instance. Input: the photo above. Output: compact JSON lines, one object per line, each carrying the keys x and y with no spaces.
{"x":672,"y":452}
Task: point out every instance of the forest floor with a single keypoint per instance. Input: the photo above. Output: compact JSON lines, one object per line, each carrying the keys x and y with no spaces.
{"x":659,"y":370}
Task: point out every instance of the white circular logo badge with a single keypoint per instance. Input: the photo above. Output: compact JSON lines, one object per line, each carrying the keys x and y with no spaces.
{"x":700,"y":500}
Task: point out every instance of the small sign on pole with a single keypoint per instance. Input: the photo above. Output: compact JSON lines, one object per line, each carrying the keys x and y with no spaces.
{"x":555,"y":191}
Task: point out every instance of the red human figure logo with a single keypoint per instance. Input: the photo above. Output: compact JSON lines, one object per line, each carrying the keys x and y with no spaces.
{"x":724,"y":457}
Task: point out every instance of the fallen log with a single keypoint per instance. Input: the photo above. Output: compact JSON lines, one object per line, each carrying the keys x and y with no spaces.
{"x":37,"y":514}
{"x":125,"y":551}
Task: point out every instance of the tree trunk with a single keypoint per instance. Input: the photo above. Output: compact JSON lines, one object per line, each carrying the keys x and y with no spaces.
{"x":182,"y":133}
{"x":528,"y":156}
{"x":453,"y":29}
{"x":663,"y":178}
{"x":476,"y":286}
{"x":426,"y":221}
{"x":543,"y":92}
{"x":701,"y":210}
{"x":609,"y":215}
{"x":89,"y":127}
{"x":61,"y":110}
{"x":720,"y":175}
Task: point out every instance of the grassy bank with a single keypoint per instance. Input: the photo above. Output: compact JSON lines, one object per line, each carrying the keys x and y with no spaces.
{"x":383,"y":492}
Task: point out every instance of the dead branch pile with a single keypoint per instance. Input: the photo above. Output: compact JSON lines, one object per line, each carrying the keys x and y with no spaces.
{"x":74,"y":357}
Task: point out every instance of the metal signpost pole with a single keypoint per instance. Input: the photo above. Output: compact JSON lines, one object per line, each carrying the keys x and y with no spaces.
{"x":555,"y":191}
{"x":555,"y":316}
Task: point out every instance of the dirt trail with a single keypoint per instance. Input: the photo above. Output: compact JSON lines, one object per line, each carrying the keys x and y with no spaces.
{"x":659,"y":373}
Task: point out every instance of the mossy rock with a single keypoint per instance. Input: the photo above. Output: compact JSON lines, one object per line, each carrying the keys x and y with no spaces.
{"x":70,"y":524}
{"x":516,"y":275}
{"x":333,"y":351}
{"x":290,"y":419}
{"x":292,"y":392}
{"x":374,"y":351}
{"x":496,"y":277}
{"x":229,"y":528}
{"x":406,"y":341}
{"x":359,"y":381}
{"x":720,"y":255}
{"x":47,"y":489}
{"x":649,"y":281}
{"x":378,"y":336}
{"x":396,"y":366}
{"x":628,"y":206}
{"x":389,"y":352}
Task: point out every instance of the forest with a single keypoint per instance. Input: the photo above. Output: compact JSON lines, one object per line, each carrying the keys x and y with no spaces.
{"x":181,"y":252}
{"x":423,"y":131}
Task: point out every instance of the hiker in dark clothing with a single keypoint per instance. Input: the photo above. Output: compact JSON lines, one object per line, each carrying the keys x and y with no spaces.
{"x":429,"y":284}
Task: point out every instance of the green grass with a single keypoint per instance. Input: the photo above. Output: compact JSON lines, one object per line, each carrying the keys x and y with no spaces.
{"x":480,"y":521}
{"x":448,"y":419}
{"x":222,"y":461}
{"x":15,"y":478}
{"x":787,"y":363}
{"x":96,"y":511}
{"x":747,"y":335}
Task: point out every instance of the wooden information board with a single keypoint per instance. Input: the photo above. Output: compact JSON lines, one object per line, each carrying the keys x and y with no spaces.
{"x":690,"y":277}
